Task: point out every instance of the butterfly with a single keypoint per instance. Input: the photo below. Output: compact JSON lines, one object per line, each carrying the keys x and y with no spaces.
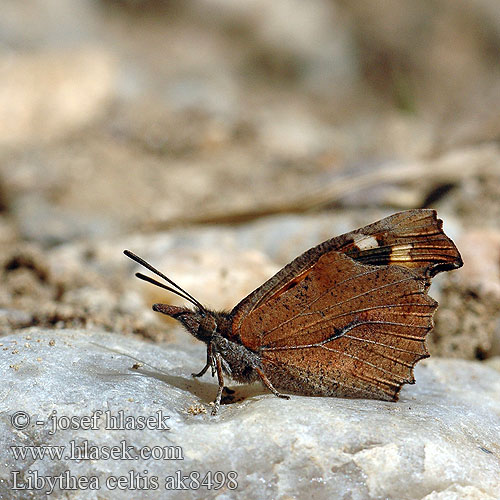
{"x":347,"y":318}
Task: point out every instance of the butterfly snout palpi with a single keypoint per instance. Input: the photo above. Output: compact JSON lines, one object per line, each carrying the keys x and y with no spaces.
{"x":347,"y":318}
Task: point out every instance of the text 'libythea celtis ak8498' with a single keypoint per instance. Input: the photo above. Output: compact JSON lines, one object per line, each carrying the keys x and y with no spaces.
{"x":347,"y":318}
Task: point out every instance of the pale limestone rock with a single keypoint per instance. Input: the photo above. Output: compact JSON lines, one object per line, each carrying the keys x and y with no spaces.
{"x":439,"y":442}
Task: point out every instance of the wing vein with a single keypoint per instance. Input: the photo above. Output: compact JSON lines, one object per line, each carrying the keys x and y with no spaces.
{"x":357,"y":358}
{"x":300,"y":313}
{"x":309,"y":304}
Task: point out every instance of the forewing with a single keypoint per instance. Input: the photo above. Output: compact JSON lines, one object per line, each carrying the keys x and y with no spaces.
{"x":412,"y":239}
{"x":345,"y":329}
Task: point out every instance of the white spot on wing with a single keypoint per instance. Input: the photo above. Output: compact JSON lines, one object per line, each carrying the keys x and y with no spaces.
{"x":364,"y":242}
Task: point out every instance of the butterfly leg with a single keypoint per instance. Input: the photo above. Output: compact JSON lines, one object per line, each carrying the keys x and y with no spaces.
{"x":210,"y":363}
{"x":268,"y":384}
{"x":218,"y":364}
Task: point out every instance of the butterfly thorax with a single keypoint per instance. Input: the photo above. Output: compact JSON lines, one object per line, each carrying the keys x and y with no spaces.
{"x":214,"y":328}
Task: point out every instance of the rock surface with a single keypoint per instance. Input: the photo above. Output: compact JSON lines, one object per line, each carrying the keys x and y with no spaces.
{"x":440,"y":441}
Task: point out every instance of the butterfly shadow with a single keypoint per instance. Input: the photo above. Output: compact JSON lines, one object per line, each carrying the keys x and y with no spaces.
{"x":204,"y":390}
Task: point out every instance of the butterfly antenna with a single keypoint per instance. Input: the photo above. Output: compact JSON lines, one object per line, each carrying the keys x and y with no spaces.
{"x":165,"y":287}
{"x":181,"y":292}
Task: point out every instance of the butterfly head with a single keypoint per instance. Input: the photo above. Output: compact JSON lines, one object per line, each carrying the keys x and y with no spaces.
{"x":199,"y":322}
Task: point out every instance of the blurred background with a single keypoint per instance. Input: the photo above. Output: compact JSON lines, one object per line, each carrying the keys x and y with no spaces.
{"x":219,"y":140}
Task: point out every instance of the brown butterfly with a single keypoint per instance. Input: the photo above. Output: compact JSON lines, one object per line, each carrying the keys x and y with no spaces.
{"x":347,"y":318}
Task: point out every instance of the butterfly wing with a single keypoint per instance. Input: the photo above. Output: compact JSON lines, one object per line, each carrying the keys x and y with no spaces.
{"x":346,"y":329}
{"x":349,"y":317}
